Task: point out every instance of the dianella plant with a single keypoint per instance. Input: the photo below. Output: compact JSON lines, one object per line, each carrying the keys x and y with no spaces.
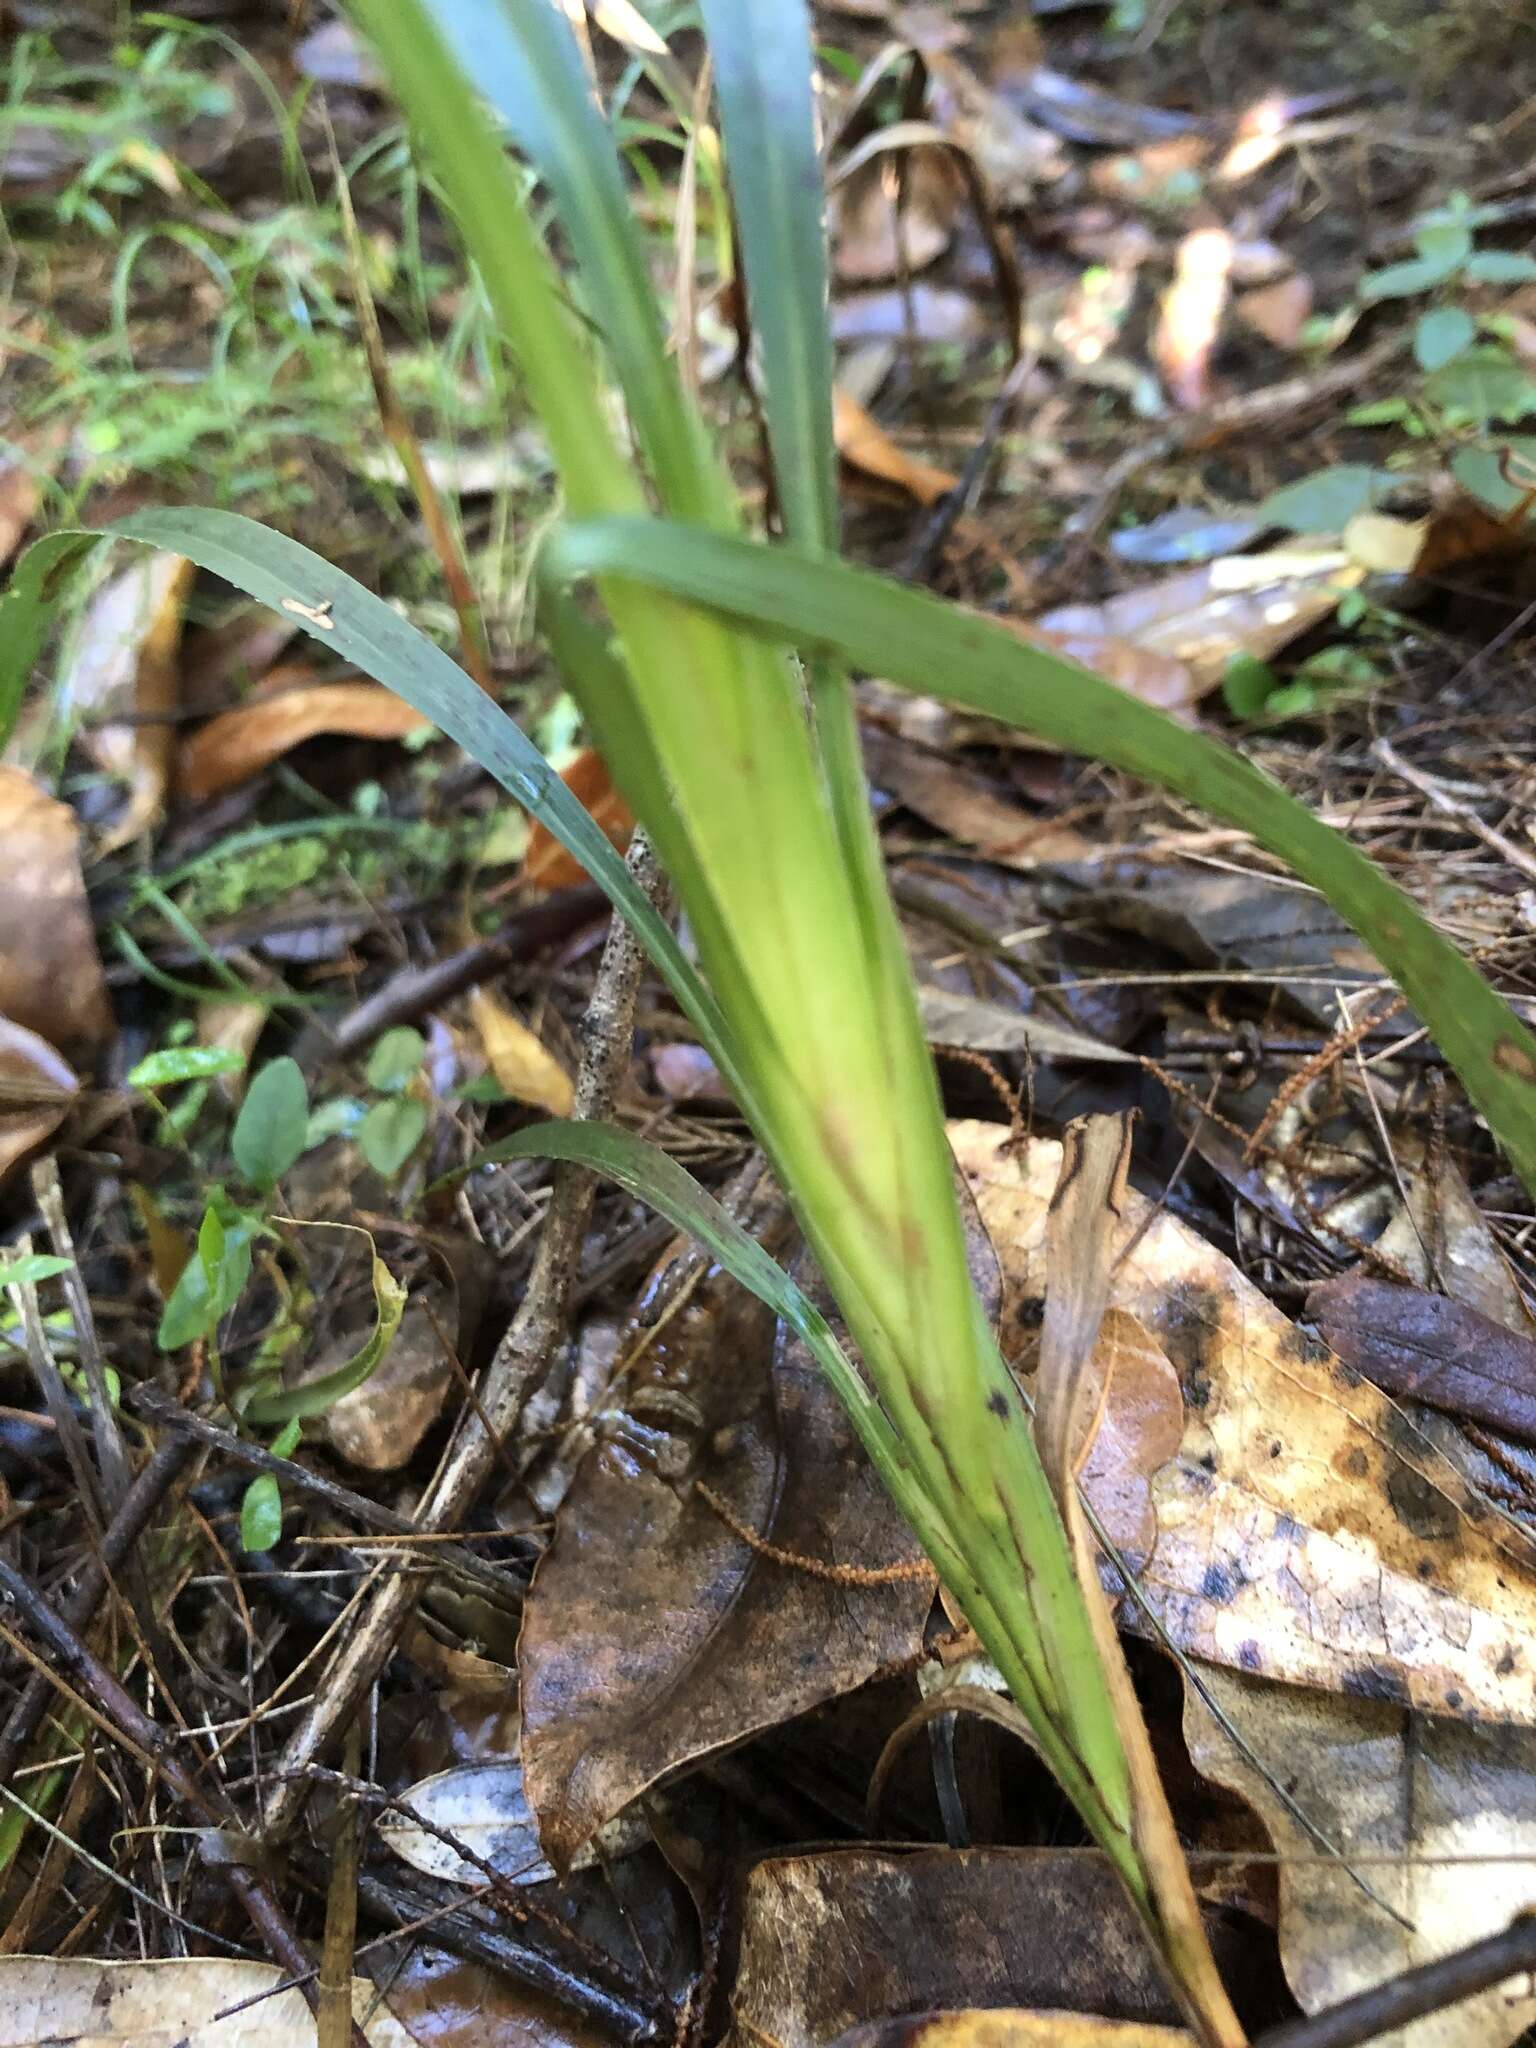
{"x":713,"y":671}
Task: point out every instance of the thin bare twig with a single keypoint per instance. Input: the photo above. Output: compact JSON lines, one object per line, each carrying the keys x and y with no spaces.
{"x":122,"y":1712}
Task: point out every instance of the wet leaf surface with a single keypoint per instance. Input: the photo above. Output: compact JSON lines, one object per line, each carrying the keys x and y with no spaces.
{"x":854,"y":1936}
{"x":654,"y":1634}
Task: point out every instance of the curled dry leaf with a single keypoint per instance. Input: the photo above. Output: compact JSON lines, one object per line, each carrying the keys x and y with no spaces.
{"x":976,"y":1025}
{"x":1189,"y":319}
{"x":523,"y":1065}
{"x":193,"y":2003}
{"x":1137,"y":1427}
{"x":291,"y":708}
{"x":1010,"y":2028}
{"x":646,"y":1594}
{"x":1239,"y":604}
{"x":865,"y":445}
{"x":1308,"y":1530}
{"x":1440,"y":1819}
{"x":483,"y":1807}
{"x":121,"y":678}
{"x":1277,"y":312}
{"x":37,"y":1086}
{"x":546,"y":864}
{"x":51,"y":980}
{"x":1442,"y":1239}
{"x":935,"y":1929}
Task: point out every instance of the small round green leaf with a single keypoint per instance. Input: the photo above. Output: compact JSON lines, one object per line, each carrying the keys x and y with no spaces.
{"x":390,"y":1133}
{"x":1247,"y":684}
{"x":396,"y":1058}
{"x":261,"y":1514}
{"x":1441,"y":335}
{"x":273,"y":1123}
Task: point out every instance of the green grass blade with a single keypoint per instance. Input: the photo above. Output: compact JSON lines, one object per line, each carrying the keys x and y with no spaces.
{"x":916,"y":640}
{"x":522,"y":55}
{"x":763,"y":81}
{"x":348,"y":620}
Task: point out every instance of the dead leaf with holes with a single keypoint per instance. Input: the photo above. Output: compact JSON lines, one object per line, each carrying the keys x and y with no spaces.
{"x":291,"y":706}
{"x":121,"y":678}
{"x":186,"y":2003}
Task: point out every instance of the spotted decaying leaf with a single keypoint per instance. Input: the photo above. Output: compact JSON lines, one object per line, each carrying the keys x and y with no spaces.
{"x":1437,"y":1817}
{"x":1308,"y":1530}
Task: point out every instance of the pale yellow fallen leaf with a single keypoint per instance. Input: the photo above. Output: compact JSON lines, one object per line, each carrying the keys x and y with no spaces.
{"x":524,"y":1066}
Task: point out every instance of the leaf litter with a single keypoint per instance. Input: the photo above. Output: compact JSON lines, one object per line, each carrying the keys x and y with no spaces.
{"x":676,"y":1493}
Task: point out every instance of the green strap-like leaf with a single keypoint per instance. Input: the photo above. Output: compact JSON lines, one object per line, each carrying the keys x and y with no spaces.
{"x":350,"y":621}
{"x":915,"y":640}
{"x":763,"y":81}
{"x":522,"y":55}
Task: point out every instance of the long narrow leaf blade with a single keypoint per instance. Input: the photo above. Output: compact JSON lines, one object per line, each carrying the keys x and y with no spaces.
{"x":763,"y":80}
{"x":350,"y":621}
{"x":522,"y":55}
{"x":915,"y":640}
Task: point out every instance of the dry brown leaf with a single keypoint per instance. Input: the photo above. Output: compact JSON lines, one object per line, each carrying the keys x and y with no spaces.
{"x":1239,"y":604}
{"x":1443,"y":1239}
{"x":931,"y":1929}
{"x":1440,"y":1818}
{"x":524,"y":1066}
{"x":867,"y":245}
{"x":646,"y":1595}
{"x":123,"y":665}
{"x":51,"y":979}
{"x":1190,"y":316}
{"x":238,"y":744}
{"x":379,"y":1424}
{"x":37,"y":1086}
{"x":1150,"y":673}
{"x":178,"y":2004}
{"x":1008,"y":2027}
{"x":1138,"y":1427}
{"x":1308,"y":1529}
{"x":865,"y":445}
{"x":1277,"y":312}
{"x":546,"y":864}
